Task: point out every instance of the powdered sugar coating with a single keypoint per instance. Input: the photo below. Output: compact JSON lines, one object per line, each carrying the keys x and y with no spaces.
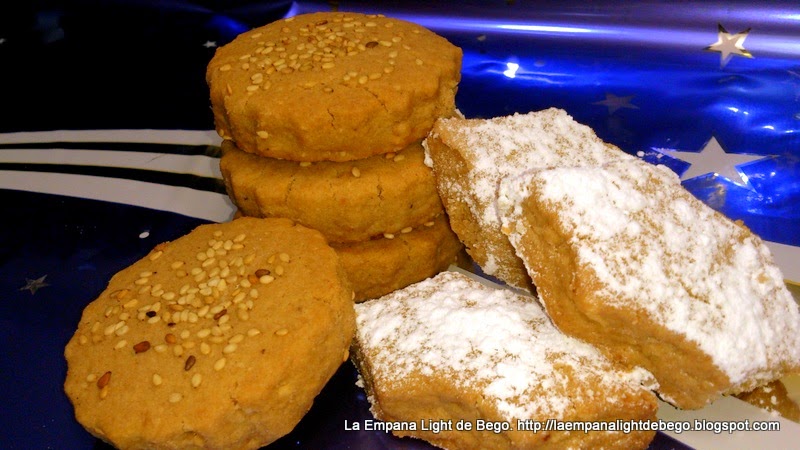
{"x":508,"y":146}
{"x":658,"y":249}
{"x":488,"y":339}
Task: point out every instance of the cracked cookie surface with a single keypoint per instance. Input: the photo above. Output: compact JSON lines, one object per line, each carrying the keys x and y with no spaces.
{"x":332,"y":86}
{"x":346,"y":201}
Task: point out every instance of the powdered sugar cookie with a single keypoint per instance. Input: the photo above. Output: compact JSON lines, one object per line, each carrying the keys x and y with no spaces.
{"x":470,"y":156}
{"x":626,"y":259}
{"x":450,"y":349}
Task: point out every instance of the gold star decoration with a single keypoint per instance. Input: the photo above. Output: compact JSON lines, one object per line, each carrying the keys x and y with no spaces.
{"x":34,"y":285}
{"x":729,"y":44}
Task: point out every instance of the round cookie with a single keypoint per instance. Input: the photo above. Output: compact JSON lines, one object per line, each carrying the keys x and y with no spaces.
{"x":219,"y":339}
{"x":346,"y":201}
{"x":334,"y":86}
{"x":379,"y":266}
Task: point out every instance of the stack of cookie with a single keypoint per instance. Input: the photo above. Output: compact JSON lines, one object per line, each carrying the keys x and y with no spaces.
{"x":322,"y":117}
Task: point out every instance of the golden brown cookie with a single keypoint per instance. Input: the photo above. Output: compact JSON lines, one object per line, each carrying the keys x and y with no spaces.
{"x":333,"y":86}
{"x":378,"y":266}
{"x":773,"y":397}
{"x":452,"y":350}
{"x":219,"y":339}
{"x":470,"y":156}
{"x":346,"y":201}
{"x":626,"y":259}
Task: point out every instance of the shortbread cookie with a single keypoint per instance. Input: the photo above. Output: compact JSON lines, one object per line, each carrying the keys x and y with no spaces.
{"x":333,"y":86}
{"x":346,"y":201}
{"x":379,"y":266}
{"x":470,"y":156}
{"x":452,"y":349}
{"x":219,"y":339}
{"x":624,"y":258}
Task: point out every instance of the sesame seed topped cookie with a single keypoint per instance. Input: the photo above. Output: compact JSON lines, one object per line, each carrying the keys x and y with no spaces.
{"x":332,"y":86}
{"x":219,"y":339}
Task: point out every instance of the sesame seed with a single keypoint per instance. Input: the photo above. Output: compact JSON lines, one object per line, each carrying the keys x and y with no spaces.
{"x":175,"y":397}
{"x":196,"y":380}
{"x":170,"y":338}
{"x":190,"y":361}
{"x":220,"y":364}
{"x":253,"y":293}
{"x":185,"y":334}
{"x":429,"y":224}
{"x":154,"y":319}
{"x":141,"y":347}
{"x":356,"y":173}
{"x":266,"y":279}
{"x":253,"y":332}
{"x":220,"y":314}
{"x":131,"y":303}
{"x":328,"y":65}
{"x":282,"y":332}
{"x":122,"y":330}
{"x":399,"y":158}
{"x":160,"y":348}
{"x":407,"y":230}
{"x":243,"y":314}
{"x":230,"y":348}
{"x":141,"y":281}
{"x":177,"y":350}
{"x":388,"y":235}
{"x":104,"y":380}
{"x":157,"y":380}
{"x":121,"y":344}
{"x":236,"y":339}
{"x":225,"y":68}
{"x":91,"y":377}
{"x":156,"y":255}
{"x":205,"y":348}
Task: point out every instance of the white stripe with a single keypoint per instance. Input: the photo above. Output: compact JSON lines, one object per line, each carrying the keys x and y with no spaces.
{"x":201,"y":165}
{"x":189,"y":202}
{"x":787,"y":257}
{"x":147,"y":136}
